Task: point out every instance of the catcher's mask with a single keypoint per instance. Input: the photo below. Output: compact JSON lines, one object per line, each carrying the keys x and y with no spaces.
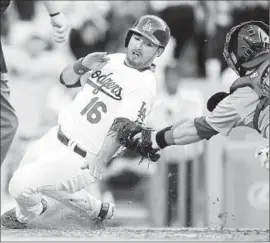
{"x":151,"y":27}
{"x":246,"y":46}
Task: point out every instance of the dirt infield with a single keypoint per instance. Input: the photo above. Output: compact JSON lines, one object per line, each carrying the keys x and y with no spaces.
{"x":122,"y":233}
{"x":115,"y":233}
{"x":60,"y":223}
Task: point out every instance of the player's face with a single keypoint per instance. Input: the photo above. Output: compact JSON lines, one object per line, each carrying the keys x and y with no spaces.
{"x":141,"y":51}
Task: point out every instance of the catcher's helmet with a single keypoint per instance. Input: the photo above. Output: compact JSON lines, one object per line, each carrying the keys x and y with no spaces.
{"x":245,"y":46}
{"x":151,"y":27}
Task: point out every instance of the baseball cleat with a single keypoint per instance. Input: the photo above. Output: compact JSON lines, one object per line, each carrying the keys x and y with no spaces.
{"x":9,"y":219}
{"x":106,"y":211}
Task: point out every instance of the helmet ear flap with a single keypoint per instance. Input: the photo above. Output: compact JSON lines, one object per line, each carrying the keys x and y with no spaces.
{"x":128,"y":36}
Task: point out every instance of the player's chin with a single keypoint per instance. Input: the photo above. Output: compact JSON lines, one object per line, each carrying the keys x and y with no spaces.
{"x":136,"y":62}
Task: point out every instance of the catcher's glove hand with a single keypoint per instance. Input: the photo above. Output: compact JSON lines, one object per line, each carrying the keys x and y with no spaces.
{"x":142,"y":146}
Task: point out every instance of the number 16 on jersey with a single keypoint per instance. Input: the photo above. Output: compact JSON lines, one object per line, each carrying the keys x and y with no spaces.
{"x":93,"y":110}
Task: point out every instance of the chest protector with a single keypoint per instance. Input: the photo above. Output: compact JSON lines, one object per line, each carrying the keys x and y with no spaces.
{"x":259,"y":82}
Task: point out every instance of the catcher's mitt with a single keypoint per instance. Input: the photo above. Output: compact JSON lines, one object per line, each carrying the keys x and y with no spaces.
{"x":128,"y":130}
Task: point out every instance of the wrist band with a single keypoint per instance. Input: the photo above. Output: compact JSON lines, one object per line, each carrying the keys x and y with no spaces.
{"x":79,"y":69}
{"x":160,"y":137}
{"x":54,"y":14}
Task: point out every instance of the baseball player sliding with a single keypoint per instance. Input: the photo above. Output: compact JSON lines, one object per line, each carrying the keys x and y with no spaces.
{"x":246,"y":51}
{"x":117,"y":90}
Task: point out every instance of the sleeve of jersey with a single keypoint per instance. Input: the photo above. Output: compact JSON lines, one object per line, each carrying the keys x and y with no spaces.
{"x":204,"y":130}
{"x":224,"y":117}
{"x":136,"y":106}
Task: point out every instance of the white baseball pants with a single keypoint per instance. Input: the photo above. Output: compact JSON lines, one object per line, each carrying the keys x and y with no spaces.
{"x":50,"y":168}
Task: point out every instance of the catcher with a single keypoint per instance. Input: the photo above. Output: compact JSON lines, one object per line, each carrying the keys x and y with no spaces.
{"x":246,"y":51}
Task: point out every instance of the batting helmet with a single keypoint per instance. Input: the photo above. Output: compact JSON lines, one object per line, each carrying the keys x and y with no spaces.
{"x":245,"y":46}
{"x":151,"y":27}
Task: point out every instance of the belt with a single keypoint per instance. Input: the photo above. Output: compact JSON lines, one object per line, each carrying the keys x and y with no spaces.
{"x":65,"y":140}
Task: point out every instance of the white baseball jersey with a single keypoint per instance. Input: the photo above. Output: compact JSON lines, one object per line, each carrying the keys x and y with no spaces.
{"x":114,"y":91}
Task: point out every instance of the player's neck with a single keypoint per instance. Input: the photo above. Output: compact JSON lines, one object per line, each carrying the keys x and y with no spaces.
{"x":139,"y":68}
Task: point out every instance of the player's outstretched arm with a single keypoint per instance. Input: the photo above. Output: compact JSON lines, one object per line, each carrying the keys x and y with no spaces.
{"x":72,"y":75}
{"x":111,"y":144}
{"x":109,"y":147}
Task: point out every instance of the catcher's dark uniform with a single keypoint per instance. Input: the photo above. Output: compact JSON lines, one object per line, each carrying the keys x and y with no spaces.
{"x":9,"y":121}
{"x":246,"y":51}
{"x":244,"y":106}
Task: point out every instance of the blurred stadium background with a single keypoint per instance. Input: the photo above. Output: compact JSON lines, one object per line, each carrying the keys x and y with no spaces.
{"x":215,"y":184}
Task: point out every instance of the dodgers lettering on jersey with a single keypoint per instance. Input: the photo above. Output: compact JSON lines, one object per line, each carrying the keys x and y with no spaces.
{"x":114,"y":91}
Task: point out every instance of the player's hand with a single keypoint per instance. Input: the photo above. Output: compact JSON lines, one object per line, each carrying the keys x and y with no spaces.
{"x":263,"y":155}
{"x":96,"y":168}
{"x":61,"y":28}
{"x":95,"y":60}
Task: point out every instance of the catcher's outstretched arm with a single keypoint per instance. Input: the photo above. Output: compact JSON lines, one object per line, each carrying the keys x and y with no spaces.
{"x":185,"y":132}
{"x":223,"y":119}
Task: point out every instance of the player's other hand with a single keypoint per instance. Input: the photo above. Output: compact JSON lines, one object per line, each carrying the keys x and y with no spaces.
{"x":263,"y":156}
{"x":61,"y":28}
{"x":96,"y":168}
{"x":95,"y":60}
